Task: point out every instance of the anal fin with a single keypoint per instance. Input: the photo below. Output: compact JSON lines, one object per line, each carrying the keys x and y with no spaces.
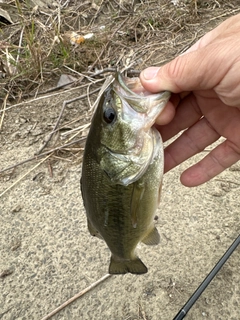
{"x":93,"y":231}
{"x":152,"y":238}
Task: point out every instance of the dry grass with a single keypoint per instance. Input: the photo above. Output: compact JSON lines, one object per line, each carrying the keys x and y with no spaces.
{"x":35,"y":49}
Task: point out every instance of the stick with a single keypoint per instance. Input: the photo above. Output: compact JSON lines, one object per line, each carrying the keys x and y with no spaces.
{"x":51,"y":95}
{"x":10,"y":187}
{"x":3,"y":110}
{"x":183,"y":312}
{"x":42,"y":154}
{"x":106,"y":46}
{"x":65,"y":103}
{"x":78,"y":295}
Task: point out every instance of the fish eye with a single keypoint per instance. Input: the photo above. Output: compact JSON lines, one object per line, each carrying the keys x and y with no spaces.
{"x":109,"y":115}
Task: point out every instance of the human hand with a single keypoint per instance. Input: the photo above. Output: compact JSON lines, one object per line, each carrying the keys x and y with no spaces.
{"x":205,"y":82}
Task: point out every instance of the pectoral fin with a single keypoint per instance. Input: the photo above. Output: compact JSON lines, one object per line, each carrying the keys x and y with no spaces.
{"x":152,"y":238}
{"x":137,"y":194}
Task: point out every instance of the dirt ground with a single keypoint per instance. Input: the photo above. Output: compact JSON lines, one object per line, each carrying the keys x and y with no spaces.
{"x":47,"y":254}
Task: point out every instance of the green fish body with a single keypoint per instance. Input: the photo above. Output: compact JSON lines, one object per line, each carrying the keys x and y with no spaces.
{"x":122,"y":171}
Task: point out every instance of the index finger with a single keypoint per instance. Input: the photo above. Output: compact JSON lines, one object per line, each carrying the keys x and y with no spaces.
{"x":186,"y":114}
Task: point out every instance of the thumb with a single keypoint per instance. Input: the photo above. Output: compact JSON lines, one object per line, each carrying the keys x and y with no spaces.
{"x":201,"y":67}
{"x":196,"y":70}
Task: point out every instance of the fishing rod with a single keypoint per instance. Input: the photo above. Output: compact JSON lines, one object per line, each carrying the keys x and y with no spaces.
{"x":184,"y":310}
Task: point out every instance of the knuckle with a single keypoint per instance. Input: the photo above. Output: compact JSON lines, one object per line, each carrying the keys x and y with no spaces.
{"x":175,"y":68}
{"x":231,"y":99}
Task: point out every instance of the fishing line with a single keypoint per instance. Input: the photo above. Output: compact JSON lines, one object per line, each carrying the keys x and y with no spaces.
{"x":184,"y":310}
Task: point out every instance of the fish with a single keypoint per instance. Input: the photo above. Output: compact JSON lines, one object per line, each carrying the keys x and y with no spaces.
{"x":122,"y":171}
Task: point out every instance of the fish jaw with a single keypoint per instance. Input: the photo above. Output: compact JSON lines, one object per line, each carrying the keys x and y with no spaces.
{"x":140,"y":100}
{"x":127,"y":168}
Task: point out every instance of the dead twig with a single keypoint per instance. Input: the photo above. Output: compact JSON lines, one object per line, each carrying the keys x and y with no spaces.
{"x":65,"y":103}
{"x":23,"y":176}
{"x":227,"y":181}
{"x":105,"y":70}
{"x":3,"y":110}
{"x":227,"y":13}
{"x":108,"y":43}
{"x":42,"y":154}
{"x":78,"y":295}
{"x":50,"y":96}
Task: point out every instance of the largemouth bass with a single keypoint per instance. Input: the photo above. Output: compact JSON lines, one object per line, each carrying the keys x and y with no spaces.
{"x":122,"y":171}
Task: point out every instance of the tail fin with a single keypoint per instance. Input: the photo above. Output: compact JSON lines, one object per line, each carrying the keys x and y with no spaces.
{"x":135,"y":266}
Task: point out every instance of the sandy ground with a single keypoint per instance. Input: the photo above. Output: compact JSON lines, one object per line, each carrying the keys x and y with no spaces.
{"x":47,"y":254}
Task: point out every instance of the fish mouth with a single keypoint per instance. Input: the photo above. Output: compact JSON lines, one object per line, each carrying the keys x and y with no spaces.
{"x":136,"y":110}
{"x":131,"y":91}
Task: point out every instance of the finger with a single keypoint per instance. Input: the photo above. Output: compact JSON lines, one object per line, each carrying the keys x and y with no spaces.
{"x":197,"y":70}
{"x":169,"y":111}
{"x":222,"y":157}
{"x":228,"y":89}
{"x":167,"y":114}
{"x":187,"y":113}
{"x":192,"y":141}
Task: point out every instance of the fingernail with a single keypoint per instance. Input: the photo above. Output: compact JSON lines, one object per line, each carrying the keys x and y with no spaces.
{"x":150,"y":73}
